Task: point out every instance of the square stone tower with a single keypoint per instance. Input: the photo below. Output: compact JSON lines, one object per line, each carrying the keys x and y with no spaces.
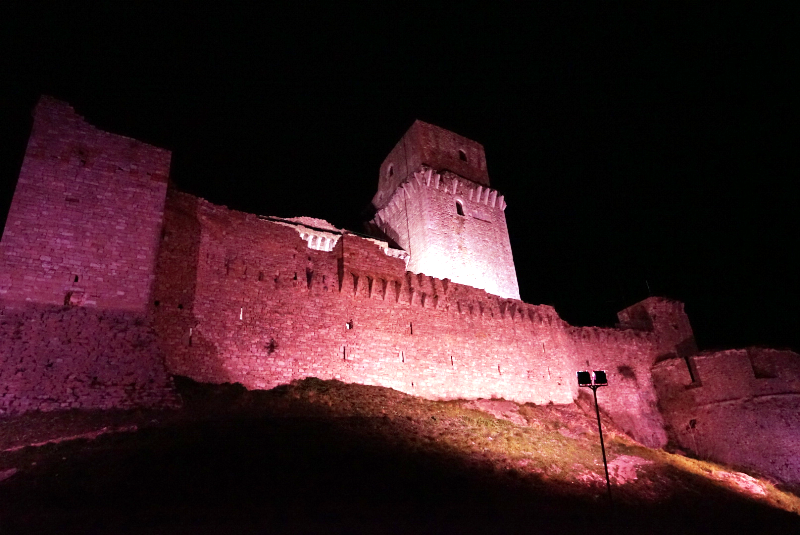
{"x":85,"y":220}
{"x":435,"y":202}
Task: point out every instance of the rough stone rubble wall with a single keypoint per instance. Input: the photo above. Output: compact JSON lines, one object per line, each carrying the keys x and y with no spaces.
{"x":85,"y":217}
{"x":77,"y":263}
{"x":261,"y":308}
{"x":650,"y":330}
{"x":55,"y":358}
{"x":738,"y":407}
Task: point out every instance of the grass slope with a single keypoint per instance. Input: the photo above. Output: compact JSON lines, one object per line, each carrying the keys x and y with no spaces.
{"x":328,"y":457}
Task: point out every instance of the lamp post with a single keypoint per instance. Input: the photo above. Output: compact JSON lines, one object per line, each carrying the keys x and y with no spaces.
{"x":595,"y":380}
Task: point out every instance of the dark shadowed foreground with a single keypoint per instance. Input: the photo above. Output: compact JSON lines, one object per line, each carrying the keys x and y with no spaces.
{"x":324,"y":457}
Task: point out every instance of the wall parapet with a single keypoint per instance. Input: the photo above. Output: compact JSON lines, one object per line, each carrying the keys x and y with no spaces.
{"x":359,"y":278}
{"x":736,"y":406}
{"x":735,"y":374}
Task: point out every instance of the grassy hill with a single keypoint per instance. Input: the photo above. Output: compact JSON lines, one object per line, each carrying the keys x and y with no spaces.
{"x":328,"y":457}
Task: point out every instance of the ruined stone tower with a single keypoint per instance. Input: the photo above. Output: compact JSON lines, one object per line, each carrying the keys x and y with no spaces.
{"x":435,"y":202}
{"x":84,"y":223}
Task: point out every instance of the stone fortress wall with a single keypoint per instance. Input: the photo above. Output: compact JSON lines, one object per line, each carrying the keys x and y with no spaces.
{"x":218,"y":295}
{"x":77,"y":264}
{"x":257,"y":305}
{"x":737,"y":406}
{"x":84,"y":222}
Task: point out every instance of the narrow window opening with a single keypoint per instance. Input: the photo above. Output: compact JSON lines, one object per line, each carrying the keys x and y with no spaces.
{"x":76,"y":279}
{"x":157,"y":303}
{"x":459,"y":208}
{"x":180,"y":306}
{"x":390,"y":170}
{"x":241,"y":313}
{"x":452,"y":362}
{"x":271,"y":346}
{"x":68,"y":298}
{"x":348,"y":325}
{"x":260,"y":276}
{"x":689,"y":367}
{"x":344,"y":353}
{"x":462,"y":155}
{"x":410,"y":328}
{"x":190,"y":337}
{"x":402,"y":356}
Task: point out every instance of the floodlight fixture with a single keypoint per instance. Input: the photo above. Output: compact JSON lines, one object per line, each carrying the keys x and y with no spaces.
{"x":595,"y":380}
{"x":584,"y":379}
{"x":599,"y":378}
{"x":592,"y":379}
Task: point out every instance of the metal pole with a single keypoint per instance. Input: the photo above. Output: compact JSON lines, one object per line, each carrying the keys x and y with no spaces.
{"x":602,"y":444}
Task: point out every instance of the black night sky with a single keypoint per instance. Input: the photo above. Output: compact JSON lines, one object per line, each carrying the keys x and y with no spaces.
{"x":637,"y":146}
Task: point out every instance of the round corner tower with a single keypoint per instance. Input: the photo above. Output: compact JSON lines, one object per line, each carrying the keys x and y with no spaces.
{"x":435,"y":202}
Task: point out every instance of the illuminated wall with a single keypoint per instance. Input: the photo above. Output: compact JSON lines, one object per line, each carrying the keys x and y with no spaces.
{"x":245,"y":299}
{"x":434,"y":201}
{"x":84,"y":222}
{"x":77,"y":264}
{"x":108,"y":281}
{"x":738,"y":406}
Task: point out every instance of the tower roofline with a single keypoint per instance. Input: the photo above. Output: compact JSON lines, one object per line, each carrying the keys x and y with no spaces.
{"x":425,"y":144}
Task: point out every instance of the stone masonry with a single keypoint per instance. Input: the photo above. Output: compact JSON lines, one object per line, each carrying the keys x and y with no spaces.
{"x":77,"y":263}
{"x":110,"y":282}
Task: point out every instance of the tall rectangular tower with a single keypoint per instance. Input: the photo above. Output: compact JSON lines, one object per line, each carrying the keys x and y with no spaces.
{"x":435,"y":202}
{"x":85,"y":221}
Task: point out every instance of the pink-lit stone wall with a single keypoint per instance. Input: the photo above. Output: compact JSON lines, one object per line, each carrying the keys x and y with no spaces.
{"x":77,"y":262}
{"x":741,"y":408}
{"x":667,"y":320}
{"x":626,"y":356}
{"x":472,"y":249}
{"x":56,"y":358}
{"x":85,"y":218}
{"x":650,"y":330}
{"x":250,"y":302}
{"x":199,"y":290}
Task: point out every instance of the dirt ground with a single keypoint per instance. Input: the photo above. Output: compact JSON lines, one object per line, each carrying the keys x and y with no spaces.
{"x":324,"y":459}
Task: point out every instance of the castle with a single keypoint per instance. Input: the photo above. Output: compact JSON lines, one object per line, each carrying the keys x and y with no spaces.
{"x":112,"y":281}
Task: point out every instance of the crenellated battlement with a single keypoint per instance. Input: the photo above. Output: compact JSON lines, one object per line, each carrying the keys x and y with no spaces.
{"x":601,"y":334}
{"x":446,"y":182}
{"x":260,"y":307}
{"x":359,"y":274}
{"x":448,"y":219}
